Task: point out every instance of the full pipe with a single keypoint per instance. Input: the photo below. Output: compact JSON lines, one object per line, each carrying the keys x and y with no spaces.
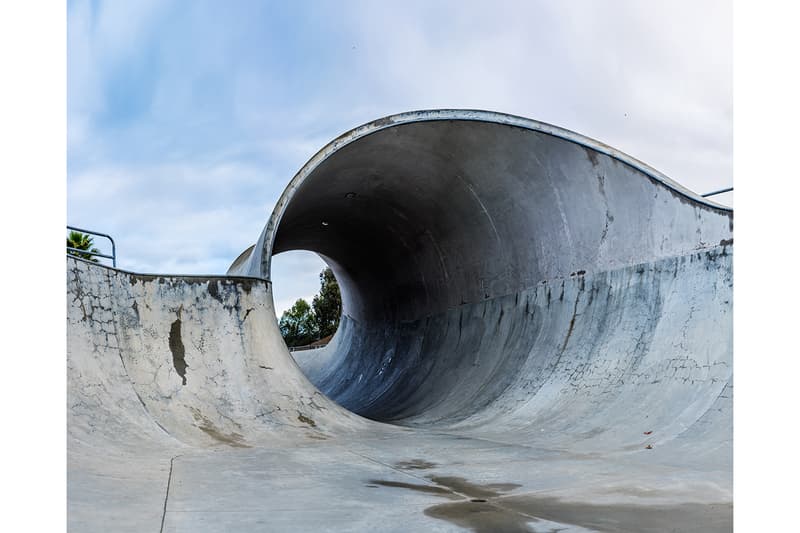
{"x":536,"y":336}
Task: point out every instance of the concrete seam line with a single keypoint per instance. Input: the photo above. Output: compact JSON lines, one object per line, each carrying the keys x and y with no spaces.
{"x":409,"y":474}
{"x":166,"y":496}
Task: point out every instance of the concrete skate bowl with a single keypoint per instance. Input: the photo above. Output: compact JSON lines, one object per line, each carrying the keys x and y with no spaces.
{"x":536,"y":335}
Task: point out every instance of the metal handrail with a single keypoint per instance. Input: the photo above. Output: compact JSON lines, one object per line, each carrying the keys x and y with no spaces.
{"x":714,"y":193}
{"x":113,"y":255}
{"x":304,"y":348}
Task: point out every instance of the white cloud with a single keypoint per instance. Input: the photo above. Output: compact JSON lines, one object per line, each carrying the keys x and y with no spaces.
{"x":175,"y":218}
{"x":189,"y":182}
{"x":652,"y":79}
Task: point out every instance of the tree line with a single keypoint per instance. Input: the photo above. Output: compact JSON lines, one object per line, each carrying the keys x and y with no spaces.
{"x":305,"y":323}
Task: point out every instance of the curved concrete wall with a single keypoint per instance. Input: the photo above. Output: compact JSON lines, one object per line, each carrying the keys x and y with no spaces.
{"x":461,"y":236}
{"x":545,"y":321}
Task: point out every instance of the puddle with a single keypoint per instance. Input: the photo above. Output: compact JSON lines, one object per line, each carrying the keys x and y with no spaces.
{"x":488,"y":508}
{"x":626,"y":518}
{"x":481,"y":517}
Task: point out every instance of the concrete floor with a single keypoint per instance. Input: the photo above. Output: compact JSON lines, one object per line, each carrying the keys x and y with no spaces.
{"x":536,"y":336}
{"x":412,"y":482}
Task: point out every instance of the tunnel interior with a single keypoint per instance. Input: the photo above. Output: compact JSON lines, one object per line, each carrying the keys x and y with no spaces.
{"x":440,"y":234}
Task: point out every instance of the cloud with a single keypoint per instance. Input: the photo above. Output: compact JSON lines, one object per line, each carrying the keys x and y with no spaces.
{"x":179,"y":218}
{"x":187,"y":120}
{"x":654,"y":80}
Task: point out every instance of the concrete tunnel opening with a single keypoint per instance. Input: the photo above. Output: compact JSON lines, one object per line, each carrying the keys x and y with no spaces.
{"x":392,"y":253}
{"x":408,"y":238}
{"x":306,"y":298}
{"x":441,"y":233}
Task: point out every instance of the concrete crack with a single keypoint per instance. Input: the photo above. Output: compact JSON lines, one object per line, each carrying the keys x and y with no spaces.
{"x":166,"y":496}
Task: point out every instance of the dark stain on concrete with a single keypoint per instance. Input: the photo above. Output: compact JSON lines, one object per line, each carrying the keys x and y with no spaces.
{"x":213,"y":290}
{"x":381,"y":122}
{"x":624,"y":518}
{"x":473,"y":511}
{"x":417,"y":487}
{"x":306,"y":420}
{"x":592,"y":155}
{"x":232,"y":439}
{"x":177,"y":349}
{"x":135,"y":308}
{"x":571,"y":327}
{"x":415,"y":464}
{"x":472,"y":490}
{"x":243,"y":284}
{"x":481,"y":517}
{"x":488,"y":509}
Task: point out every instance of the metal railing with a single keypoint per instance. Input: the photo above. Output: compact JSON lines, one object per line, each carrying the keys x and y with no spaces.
{"x":113,"y":255}
{"x":304,"y":348}
{"x":714,"y":193}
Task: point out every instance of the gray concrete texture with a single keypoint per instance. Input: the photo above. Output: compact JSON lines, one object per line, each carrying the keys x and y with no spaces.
{"x":536,"y":336}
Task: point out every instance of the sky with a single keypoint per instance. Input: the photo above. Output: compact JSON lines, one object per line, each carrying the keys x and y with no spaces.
{"x":186,"y":119}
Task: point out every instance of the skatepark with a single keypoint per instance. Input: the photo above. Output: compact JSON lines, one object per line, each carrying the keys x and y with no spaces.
{"x":536,"y":336}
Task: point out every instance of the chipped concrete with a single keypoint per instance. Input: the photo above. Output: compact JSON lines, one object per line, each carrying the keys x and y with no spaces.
{"x":550,"y":349}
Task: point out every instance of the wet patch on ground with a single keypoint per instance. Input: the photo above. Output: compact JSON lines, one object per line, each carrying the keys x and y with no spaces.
{"x":473,"y":490}
{"x":415,"y":464}
{"x":488,"y":508}
{"x":625,"y":518}
{"x":481,"y":517}
{"x":417,"y":487}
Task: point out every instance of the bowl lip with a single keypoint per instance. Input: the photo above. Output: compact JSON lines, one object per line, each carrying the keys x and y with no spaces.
{"x":267,"y":238}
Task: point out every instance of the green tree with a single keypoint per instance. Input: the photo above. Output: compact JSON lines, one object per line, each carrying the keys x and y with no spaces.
{"x":81,"y":241}
{"x":298,"y":325}
{"x":327,"y":304}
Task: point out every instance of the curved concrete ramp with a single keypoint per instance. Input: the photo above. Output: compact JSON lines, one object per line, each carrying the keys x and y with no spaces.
{"x":536,"y":337}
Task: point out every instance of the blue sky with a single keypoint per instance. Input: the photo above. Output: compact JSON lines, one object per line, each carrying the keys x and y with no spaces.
{"x":186,"y":119}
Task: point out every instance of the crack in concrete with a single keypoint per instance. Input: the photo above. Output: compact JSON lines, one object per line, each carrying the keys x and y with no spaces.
{"x":166,"y":496}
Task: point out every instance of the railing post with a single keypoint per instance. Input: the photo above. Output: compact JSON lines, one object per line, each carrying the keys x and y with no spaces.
{"x":113,"y":255}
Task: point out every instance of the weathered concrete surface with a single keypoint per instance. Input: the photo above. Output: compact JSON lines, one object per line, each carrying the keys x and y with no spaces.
{"x":544,"y":322}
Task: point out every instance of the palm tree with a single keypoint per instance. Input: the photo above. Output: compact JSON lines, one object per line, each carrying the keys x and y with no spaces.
{"x":81,"y":241}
